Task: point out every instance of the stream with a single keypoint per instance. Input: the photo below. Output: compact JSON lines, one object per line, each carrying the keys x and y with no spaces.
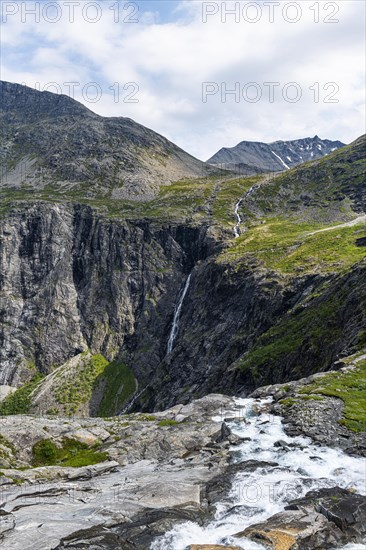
{"x":237,"y":231}
{"x":255,"y":496}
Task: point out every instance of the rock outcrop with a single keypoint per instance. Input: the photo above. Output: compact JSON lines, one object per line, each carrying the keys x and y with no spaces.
{"x":322,"y":519}
{"x":310,"y":408}
{"x":153,"y":477}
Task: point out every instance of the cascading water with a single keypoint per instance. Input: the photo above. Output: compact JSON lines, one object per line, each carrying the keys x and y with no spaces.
{"x":257,"y":495}
{"x":178,"y":308}
{"x":237,"y":206}
{"x":237,"y":225}
{"x":135,"y":397}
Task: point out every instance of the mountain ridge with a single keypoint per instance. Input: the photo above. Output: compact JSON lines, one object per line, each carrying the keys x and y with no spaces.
{"x":274,"y":156}
{"x":52,"y":141}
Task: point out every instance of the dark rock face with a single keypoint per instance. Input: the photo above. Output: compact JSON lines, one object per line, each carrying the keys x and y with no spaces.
{"x":344,"y":299}
{"x":273,"y":157}
{"x":71,"y":280}
{"x":361,"y":241}
{"x":135,"y":535}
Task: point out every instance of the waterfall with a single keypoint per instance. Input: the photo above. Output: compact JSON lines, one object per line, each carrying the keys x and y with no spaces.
{"x":236,"y":211}
{"x":178,"y":307}
{"x":236,"y":227}
{"x":135,"y":396}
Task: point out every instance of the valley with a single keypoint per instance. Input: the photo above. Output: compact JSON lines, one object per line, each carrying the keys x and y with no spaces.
{"x":167,"y":323}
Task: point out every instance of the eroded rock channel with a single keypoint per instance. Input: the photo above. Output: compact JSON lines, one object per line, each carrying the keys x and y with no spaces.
{"x":219,"y":471}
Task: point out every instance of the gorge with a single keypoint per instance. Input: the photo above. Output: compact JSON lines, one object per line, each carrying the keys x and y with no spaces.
{"x":170,"y":331}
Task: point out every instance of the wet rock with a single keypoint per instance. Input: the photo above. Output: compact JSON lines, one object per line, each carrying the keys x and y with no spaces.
{"x":281,"y":444}
{"x":345,"y":509}
{"x":294,"y":530}
{"x":324,"y":518}
{"x":243,"y":510}
{"x":219,"y":487}
{"x":137,"y":534}
{"x":225,"y":433}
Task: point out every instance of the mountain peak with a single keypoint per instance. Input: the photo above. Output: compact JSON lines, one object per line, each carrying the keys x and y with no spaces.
{"x":276,"y":156}
{"x":30,"y":105}
{"x":52,"y":140}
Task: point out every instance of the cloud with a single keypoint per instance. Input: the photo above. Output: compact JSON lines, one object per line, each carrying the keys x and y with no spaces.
{"x":171,"y":52}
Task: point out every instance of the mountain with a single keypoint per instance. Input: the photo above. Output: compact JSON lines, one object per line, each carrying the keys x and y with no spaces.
{"x":51,"y":141}
{"x":109,"y":303}
{"x":252,"y":156}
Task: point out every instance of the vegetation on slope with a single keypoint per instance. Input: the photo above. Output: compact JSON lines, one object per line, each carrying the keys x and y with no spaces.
{"x":70,"y":453}
{"x":210,"y":199}
{"x":350,"y":386}
{"x":295,"y":248}
{"x":118,"y":385}
{"x":71,"y":390}
{"x":20,"y":401}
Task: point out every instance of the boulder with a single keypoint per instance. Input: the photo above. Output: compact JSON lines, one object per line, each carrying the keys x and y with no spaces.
{"x":292,"y":530}
{"x":345,"y":509}
{"x":324,"y":518}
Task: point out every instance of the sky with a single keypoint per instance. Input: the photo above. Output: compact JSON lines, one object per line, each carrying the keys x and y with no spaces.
{"x":204,"y":74}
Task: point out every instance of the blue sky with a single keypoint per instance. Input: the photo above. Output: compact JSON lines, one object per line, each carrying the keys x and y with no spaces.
{"x":200,"y":74}
{"x":165,"y":9}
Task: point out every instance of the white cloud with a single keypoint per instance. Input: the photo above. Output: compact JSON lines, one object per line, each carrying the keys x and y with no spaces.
{"x":169,"y":61}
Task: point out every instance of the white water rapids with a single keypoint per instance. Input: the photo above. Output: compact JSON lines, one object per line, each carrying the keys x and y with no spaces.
{"x":255,"y":496}
{"x":178,"y":308}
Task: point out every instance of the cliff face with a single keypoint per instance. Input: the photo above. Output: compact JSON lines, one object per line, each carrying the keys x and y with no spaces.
{"x":72,"y":280}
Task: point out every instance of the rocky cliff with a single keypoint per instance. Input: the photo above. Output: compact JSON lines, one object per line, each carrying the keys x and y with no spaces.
{"x":73,"y":280}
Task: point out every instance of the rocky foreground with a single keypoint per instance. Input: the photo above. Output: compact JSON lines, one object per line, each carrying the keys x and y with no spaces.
{"x":157,"y":471}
